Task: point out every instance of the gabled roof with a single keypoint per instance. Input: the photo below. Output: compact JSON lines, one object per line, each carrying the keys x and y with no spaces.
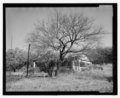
{"x":83,"y":57}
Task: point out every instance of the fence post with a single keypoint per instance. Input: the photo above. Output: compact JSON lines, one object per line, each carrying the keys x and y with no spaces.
{"x":28,"y":60}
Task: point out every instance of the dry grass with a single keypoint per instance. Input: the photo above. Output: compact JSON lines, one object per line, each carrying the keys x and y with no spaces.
{"x":93,"y":80}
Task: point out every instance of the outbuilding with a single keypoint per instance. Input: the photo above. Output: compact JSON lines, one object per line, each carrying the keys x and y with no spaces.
{"x":81,"y":62}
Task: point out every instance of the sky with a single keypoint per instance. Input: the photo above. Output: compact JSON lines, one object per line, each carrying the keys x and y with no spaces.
{"x":20,"y":22}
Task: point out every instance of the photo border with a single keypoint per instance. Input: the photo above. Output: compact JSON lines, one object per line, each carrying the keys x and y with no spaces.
{"x":114,"y":32}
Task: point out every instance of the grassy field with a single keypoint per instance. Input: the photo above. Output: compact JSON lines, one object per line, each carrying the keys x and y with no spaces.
{"x":93,"y":80}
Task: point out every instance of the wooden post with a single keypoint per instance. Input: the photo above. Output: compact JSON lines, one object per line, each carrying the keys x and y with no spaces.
{"x":28,"y":60}
{"x":34,"y":65}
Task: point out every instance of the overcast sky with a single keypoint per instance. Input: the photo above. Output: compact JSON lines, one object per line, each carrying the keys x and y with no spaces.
{"x":20,"y":22}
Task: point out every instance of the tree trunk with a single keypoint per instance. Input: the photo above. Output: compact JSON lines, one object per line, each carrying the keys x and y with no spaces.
{"x":61,"y":58}
{"x":14,"y":69}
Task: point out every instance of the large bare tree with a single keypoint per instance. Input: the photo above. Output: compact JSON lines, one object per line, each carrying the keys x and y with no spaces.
{"x":66,"y":33}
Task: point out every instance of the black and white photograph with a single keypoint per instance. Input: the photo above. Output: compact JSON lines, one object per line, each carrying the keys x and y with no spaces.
{"x":60,"y":49}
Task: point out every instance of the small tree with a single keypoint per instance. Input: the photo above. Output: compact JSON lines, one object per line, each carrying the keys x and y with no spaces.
{"x":66,"y":34}
{"x":15,"y":59}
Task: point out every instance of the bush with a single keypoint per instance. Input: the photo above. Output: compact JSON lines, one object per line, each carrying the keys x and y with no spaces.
{"x":100,"y":55}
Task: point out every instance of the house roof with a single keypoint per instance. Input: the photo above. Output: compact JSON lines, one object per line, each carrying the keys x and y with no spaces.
{"x":82,"y":57}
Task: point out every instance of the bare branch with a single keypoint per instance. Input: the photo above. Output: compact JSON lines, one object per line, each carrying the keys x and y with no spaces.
{"x":64,"y":32}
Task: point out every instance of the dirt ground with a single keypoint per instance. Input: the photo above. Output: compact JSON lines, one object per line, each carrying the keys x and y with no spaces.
{"x":93,"y":80}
